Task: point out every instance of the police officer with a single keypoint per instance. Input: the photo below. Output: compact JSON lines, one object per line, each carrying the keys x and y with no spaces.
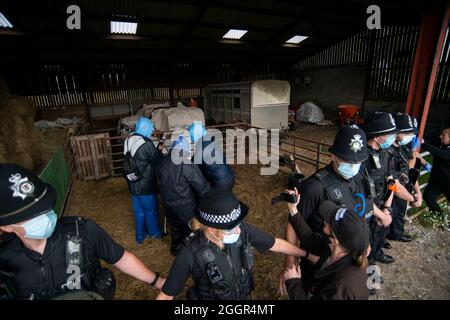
{"x":407,"y":176}
{"x":342,"y":182}
{"x":218,"y":255}
{"x":44,"y":258}
{"x":381,"y":131}
{"x":210,"y":158}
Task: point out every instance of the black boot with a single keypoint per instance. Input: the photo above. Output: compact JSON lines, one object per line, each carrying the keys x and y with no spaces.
{"x":387,"y":259}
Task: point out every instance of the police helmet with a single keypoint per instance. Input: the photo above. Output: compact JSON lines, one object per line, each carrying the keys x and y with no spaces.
{"x":350,"y":144}
{"x":379,"y":123}
{"x":404,"y":123}
{"x":23,"y":195}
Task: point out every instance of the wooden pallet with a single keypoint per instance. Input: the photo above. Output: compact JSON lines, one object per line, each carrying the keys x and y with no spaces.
{"x":92,"y":156}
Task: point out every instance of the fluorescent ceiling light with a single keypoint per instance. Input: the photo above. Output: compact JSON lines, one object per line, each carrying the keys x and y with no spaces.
{"x":123,"y":27}
{"x":4,"y":23}
{"x":234,"y":34}
{"x":296,"y":39}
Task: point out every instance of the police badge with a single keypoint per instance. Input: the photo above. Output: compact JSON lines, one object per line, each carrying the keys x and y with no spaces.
{"x":21,"y":187}
{"x":356,"y":143}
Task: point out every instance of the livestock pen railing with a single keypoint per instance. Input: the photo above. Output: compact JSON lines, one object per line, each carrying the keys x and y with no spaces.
{"x":98,"y":156}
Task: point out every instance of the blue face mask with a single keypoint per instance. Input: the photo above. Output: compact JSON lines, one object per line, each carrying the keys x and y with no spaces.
{"x":406,"y":140}
{"x":231,"y":236}
{"x":348,"y":170}
{"x":40,"y":227}
{"x":388,"y":142}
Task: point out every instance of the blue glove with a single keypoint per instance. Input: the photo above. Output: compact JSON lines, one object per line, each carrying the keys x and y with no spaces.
{"x":428,"y":167}
{"x":415,"y":143}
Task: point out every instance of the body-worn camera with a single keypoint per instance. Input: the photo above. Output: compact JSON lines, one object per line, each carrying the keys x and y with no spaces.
{"x":214,"y":273}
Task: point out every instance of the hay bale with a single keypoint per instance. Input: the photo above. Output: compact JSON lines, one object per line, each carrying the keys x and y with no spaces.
{"x":21,"y":106}
{"x":4,"y":91}
{"x":20,"y":141}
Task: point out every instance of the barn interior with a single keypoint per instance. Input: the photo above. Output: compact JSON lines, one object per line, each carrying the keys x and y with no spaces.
{"x":76,"y":75}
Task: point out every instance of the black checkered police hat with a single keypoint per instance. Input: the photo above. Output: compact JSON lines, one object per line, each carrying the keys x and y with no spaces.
{"x":220,"y":209}
{"x":23,"y":195}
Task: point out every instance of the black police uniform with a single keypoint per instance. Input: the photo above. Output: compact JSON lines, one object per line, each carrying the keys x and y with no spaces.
{"x":327,"y":184}
{"x":36,"y":276}
{"x":219,"y":274}
{"x":379,"y":168}
{"x":400,"y":157}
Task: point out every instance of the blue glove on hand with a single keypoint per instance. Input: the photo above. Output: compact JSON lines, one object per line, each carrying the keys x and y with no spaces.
{"x":428,"y":167}
{"x":415,"y":143}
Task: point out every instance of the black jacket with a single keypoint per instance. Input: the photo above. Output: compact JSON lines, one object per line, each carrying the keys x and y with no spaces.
{"x":441,"y":162}
{"x":342,"y":280}
{"x":181,"y":186}
{"x":146,"y":157}
{"x":219,"y":175}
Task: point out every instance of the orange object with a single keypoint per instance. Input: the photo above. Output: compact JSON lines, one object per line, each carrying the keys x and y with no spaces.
{"x":393,"y":187}
{"x":348,"y":114}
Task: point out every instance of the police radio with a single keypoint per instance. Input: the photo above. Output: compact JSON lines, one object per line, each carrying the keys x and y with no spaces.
{"x":73,"y":248}
{"x":370,"y":186}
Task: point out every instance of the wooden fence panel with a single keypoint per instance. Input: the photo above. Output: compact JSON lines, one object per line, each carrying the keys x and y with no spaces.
{"x":91,"y":154}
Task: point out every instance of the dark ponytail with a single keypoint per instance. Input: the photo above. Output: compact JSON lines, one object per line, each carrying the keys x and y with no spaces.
{"x":360,"y":259}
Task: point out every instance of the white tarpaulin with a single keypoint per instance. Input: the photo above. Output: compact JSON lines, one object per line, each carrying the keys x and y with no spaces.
{"x":310,"y":112}
{"x":182,"y":117}
{"x":58,"y":123}
{"x":147,"y":109}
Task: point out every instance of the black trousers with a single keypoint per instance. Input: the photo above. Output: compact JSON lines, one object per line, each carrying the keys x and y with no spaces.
{"x":377,"y":238}
{"x":432,"y":192}
{"x":397,"y":227}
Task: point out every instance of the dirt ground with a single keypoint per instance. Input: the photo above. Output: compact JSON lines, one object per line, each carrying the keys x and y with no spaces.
{"x":422,"y":270}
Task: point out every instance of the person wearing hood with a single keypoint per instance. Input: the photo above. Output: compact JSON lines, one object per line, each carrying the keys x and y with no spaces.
{"x":181,"y":184}
{"x":342,"y":247}
{"x":210,"y":158}
{"x":143,"y":190}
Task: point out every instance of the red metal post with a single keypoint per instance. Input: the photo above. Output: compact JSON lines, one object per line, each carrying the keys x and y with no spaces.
{"x":434,"y":70}
{"x":423,"y":57}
